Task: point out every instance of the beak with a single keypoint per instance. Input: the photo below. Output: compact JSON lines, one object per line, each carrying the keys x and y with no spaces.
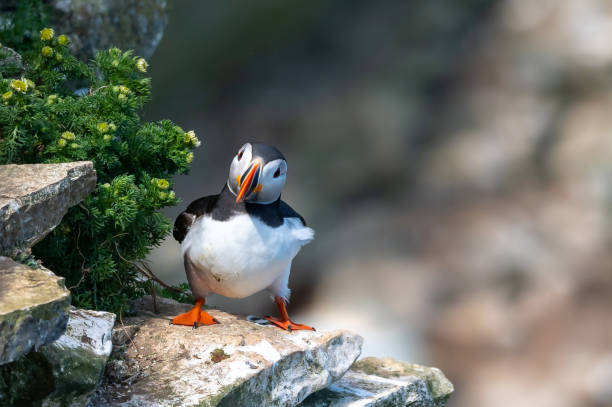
{"x":247,"y":185}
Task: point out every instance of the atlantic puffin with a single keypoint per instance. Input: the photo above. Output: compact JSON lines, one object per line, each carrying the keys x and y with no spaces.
{"x":242,"y":240}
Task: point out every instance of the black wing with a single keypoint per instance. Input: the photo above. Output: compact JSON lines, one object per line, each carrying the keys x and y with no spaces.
{"x":288,"y":212}
{"x":195,"y":209}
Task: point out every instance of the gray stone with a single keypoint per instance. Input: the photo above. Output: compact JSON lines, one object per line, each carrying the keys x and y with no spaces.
{"x":35,"y":197}
{"x":65,"y":372}
{"x":101,"y":24}
{"x":10,"y":62}
{"x":78,"y":357}
{"x":375,"y":382}
{"x":33,"y":308}
{"x":233,"y":363}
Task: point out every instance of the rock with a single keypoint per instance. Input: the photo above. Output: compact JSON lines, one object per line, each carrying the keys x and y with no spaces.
{"x":33,"y":308}
{"x":35,"y":197}
{"x":233,"y":363}
{"x":65,"y":372}
{"x":101,"y":24}
{"x":385,"y":382}
{"x":10,"y":62}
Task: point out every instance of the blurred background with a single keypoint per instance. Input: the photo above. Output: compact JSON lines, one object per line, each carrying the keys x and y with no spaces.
{"x":454,"y":158}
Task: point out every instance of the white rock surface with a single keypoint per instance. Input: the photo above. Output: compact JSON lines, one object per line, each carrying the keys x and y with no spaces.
{"x":233,"y":363}
{"x":374,"y":382}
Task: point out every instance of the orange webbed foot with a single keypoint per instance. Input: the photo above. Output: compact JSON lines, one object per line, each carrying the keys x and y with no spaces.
{"x":195,"y":316}
{"x":289,"y":325}
{"x":284,"y":322}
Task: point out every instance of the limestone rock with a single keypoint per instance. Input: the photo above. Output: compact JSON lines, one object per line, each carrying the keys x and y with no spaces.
{"x":33,"y":308}
{"x":101,"y":24}
{"x":65,"y":372}
{"x":233,"y":363}
{"x":35,"y":197}
{"x":383,"y":382}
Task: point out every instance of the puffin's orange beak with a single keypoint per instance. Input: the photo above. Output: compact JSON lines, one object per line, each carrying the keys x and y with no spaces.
{"x":245,"y":187}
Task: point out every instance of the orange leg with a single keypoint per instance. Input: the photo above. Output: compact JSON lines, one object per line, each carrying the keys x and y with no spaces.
{"x":285,"y":322}
{"x":195,"y":316}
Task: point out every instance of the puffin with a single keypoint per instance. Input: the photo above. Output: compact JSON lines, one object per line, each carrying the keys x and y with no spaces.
{"x":242,"y":240}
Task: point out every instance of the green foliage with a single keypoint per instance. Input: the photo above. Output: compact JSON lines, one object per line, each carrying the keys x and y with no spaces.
{"x":43,"y":120}
{"x":22,"y":25}
{"x":185,"y":296}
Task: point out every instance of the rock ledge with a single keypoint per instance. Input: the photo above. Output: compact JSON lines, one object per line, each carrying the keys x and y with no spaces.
{"x":35,"y":197}
{"x":234,"y":363}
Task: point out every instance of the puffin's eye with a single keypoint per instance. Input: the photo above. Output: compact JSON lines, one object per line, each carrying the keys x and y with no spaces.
{"x":277,"y":173}
{"x":240,"y":155}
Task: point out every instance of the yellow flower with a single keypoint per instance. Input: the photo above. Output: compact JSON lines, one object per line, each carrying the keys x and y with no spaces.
{"x":107,"y":137}
{"x":189,"y":157}
{"x":106,"y":185}
{"x":102,"y":127}
{"x":51,"y":99}
{"x":190,"y":138}
{"x":116,"y":88}
{"x":74,"y":145}
{"x":115,"y":63}
{"x":68,"y":135}
{"x":7,"y":95}
{"x":162,"y":184}
{"x":112,"y":127}
{"x":163,"y":195}
{"x":171,"y":195}
{"x":61,"y":142}
{"x":20,"y":85}
{"x":30,"y":84}
{"x":59,"y":57}
{"x":46,"y":51}
{"x":142,"y":65}
{"x":62,"y":40}
{"x":122,"y":97}
{"x":47,"y":34}
{"x":124,"y":89}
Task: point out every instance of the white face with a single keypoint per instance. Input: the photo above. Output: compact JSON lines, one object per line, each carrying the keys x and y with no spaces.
{"x":269,"y":181}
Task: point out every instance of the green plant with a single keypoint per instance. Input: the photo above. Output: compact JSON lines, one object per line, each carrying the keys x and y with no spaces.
{"x":44,"y":120}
